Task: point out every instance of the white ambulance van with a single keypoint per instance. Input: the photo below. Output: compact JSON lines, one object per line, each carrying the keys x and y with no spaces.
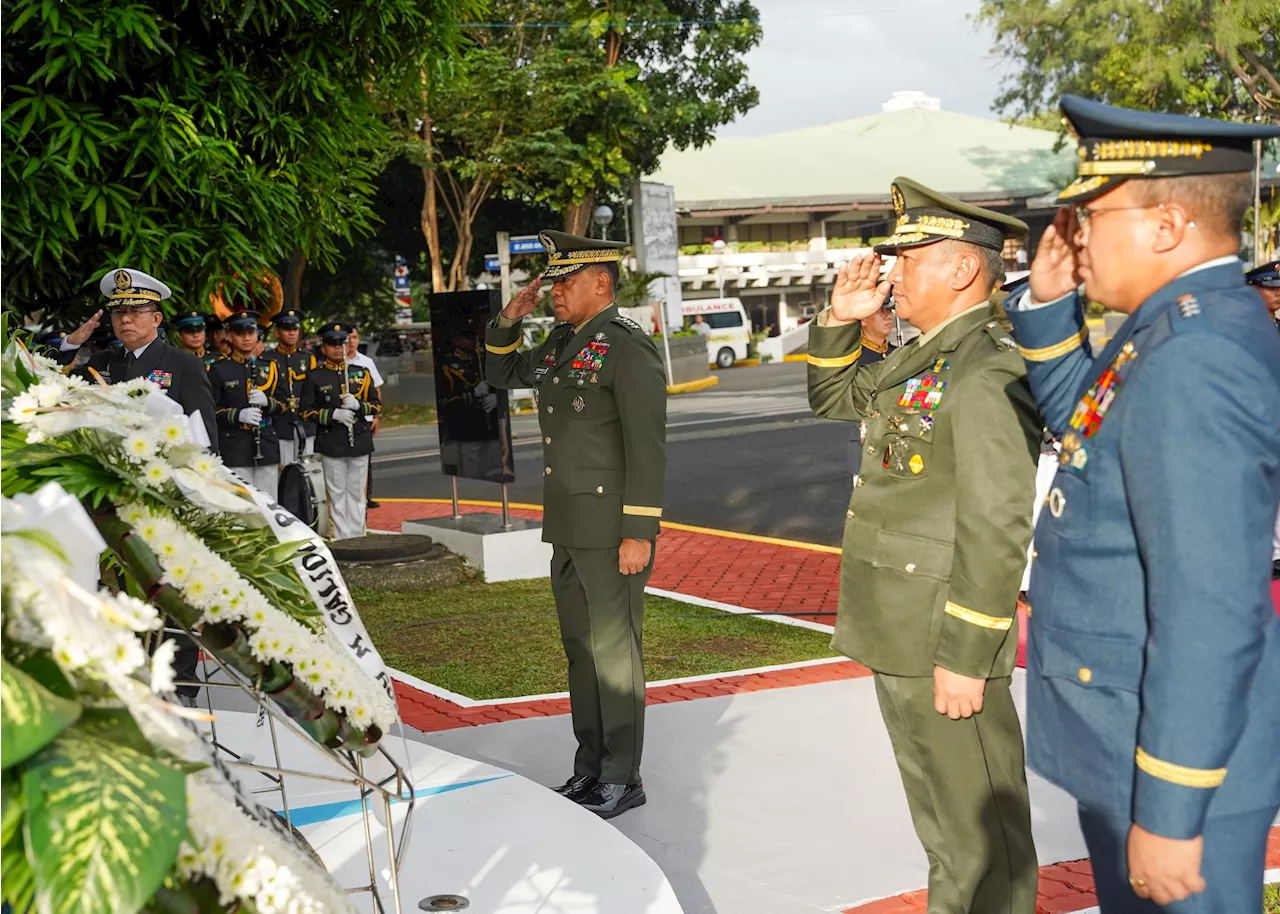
{"x":730,"y":334}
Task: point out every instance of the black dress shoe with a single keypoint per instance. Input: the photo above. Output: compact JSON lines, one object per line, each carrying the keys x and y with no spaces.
{"x":1275,"y":569}
{"x":373,"y":504}
{"x":609,"y":800}
{"x":576,"y":786}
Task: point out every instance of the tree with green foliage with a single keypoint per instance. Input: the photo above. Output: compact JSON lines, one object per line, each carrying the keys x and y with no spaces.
{"x":1213,"y":58}
{"x":204,"y":141}
{"x":554,"y":103}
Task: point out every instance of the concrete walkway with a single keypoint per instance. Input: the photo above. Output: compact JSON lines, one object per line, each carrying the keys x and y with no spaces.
{"x":770,"y":791}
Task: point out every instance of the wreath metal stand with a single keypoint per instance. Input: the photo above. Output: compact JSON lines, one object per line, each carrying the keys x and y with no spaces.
{"x":395,"y":786}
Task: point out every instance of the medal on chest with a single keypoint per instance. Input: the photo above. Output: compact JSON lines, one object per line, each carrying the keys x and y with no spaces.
{"x":923,"y":393}
{"x":591,"y":357}
{"x":163,"y":378}
{"x":1098,"y":399}
{"x":548,"y":363}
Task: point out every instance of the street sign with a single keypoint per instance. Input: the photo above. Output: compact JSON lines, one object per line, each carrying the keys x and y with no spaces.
{"x":526,"y":244}
{"x":491,"y":263}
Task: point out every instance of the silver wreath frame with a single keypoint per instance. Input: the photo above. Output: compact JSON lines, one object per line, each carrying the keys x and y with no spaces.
{"x":370,"y":791}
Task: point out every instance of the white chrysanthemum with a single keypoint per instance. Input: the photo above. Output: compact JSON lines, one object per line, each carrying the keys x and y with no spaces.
{"x":156,"y":473}
{"x":162,"y":675}
{"x":124,"y":655}
{"x":24,"y":409}
{"x":74,"y":382}
{"x":204,"y":464}
{"x":139,"y":445}
{"x":177,"y":574}
{"x":48,"y":393}
{"x":35,"y":436}
{"x":173,"y":432}
{"x":129,"y":612}
{"x":133,"y":515}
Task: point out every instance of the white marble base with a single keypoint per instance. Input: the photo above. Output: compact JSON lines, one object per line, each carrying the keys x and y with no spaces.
{"x":501,"y":555}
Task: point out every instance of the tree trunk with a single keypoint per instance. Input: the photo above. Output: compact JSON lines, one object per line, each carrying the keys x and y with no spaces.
{"x":430,"y":211}
{"x":431,"y":228}
{"x":293,"y":279}
{"x":577,"y":216}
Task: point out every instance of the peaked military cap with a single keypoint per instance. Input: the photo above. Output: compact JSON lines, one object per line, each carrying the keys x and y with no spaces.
{"x":334,"y":333}
{"x":241,"y":321}
{"x":127,"y":288}
{"x":926,"y":216}
{"x":191,"y":320}
{"x":212,"y":322}
{"x":290,"y":317}
{"x":1268,"y":274}
{"x":567,"y":254}
{"x":1117,"y":144}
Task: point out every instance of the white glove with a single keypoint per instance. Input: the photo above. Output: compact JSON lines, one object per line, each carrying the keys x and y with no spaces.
{"x":350,"y":402}
{"x":257,"y":397}
{"x":345,"y":416}
{"x":250,"y":416}
{"x":489,"y":402}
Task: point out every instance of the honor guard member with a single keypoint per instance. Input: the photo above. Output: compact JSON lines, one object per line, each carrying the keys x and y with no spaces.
{"x":358,"y":358}
{"x":338,"y":404}
{"x":1266,"y":280}
{"x":1153,"y":674}
{"x":246,"y":390}
{"x":218,"y":344}
{"x":602,"y":406}
{"x":292,"y":366}
{"x":133,"y":299}
{"x":192,"y":329}
{"x":875,"y":348}
{"x":936,"y":534}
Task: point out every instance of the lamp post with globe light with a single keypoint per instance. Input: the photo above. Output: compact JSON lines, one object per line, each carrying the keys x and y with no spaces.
{"x":602,"y":216}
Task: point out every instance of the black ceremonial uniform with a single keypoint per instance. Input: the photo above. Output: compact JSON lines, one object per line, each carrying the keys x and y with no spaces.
{"x":322,"y":394}
{"x":293,"y":366}
{"x":229,"y":377}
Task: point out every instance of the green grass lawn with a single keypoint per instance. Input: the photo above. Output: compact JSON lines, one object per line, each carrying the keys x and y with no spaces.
{"x":502,"y":640}
{"x":1271,"y":899}
{"x":407,"y":414}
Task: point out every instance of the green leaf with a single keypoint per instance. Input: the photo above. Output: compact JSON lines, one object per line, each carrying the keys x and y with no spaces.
{"x":104,"y":821}
{"x":19,"y":881}
{"x":30,"y":715}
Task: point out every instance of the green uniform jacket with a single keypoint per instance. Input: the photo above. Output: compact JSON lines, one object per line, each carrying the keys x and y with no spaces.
{"x":936,"y":534}
{"x":602,"y":408}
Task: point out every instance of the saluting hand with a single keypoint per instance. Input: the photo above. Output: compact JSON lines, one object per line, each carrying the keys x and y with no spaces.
{"x":1164,"y":869}
{"x":1056,"y":270}
{"x":524,"y":301}
{"x":81,"y":334}
{"x":858,"y":292}
{"x":633,"y":556}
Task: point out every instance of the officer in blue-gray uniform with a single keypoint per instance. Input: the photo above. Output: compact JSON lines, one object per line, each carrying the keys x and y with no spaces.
{"x":1153,"y":676}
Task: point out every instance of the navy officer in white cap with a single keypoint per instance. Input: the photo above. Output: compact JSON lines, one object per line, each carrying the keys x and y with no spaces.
{"x":133,"y":299}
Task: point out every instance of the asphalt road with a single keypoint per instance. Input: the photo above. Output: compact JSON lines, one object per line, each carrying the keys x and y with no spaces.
{"x":746,"y":455}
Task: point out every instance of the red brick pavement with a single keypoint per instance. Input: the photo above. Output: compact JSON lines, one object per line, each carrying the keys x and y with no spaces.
{"x":729,"y":568}
{"x":1064,"y":888}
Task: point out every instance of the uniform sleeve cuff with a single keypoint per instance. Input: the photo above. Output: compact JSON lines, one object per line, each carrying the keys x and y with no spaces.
{"x":1169,"y":809}
{"x":639,"y":523}
{"x":970,"y":640}
{"x":502,"y":340}
{"x":1049,"y":331}
{"x":834,"y":347}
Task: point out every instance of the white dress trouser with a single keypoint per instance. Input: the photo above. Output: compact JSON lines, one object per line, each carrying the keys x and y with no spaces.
{"x":344,"y":483}
{"x":1275,"y":541}
{"x":1046,"y":469}
{"x":266,"y":479}
{"x":288,"y":449}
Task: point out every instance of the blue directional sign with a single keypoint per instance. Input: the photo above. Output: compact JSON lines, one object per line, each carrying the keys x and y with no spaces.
{"x":526,"y":244}
{"x":491,"y":263}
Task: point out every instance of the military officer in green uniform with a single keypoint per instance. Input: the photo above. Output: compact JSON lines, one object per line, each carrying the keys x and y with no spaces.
{"x":936,"y":536}
{"x":602,"y":408}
